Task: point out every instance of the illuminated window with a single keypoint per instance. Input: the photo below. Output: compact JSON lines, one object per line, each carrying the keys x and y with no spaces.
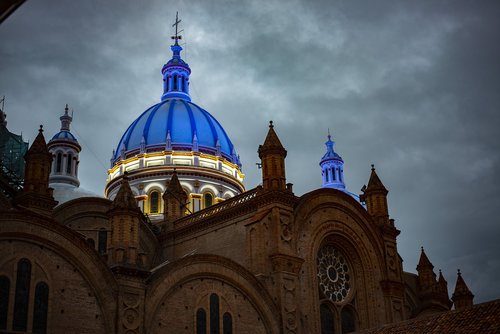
{"x":68,"y":164}
{"x":22,"y":295}
{"x":154,"y":202}
{"x":209,"y":200}
{"x":40,"y":308}
{"x":59,"y":162}
{"x":4,"y":300}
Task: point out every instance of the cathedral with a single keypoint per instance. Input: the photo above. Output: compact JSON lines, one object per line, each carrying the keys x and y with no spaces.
{"x":178,"y":245}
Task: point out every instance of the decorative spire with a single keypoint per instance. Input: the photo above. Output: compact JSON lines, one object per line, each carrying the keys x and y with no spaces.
{"x":125,"y":198}
{"x":272,"y":155}
{"x":332,"y":167}
{"x":424,"y":261}
{"x":272,"y":142}
{"x":375,"y":184}
{"x":176,"y":71}
{"x":65,"y":119}
{"x":462,"y":296}
{"x":175,"y":199}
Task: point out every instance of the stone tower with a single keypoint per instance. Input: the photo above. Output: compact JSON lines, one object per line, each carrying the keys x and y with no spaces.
{"x":36,"y":194}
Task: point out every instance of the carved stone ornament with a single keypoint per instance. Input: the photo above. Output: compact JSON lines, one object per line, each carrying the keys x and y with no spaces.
{"x":334,"y":274}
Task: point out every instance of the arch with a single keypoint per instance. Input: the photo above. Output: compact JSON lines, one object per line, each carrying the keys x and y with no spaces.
{"x":330,"y":214}
{"x":4,"y":300}
{"x":41,"y":307}
{"x":21,"y":299}
{"x":208,"y":188}
{"x":167,"y":279}
{"x":73,"y":249}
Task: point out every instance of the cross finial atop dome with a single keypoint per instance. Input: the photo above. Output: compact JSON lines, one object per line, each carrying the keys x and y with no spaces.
{"x":176,"y":37}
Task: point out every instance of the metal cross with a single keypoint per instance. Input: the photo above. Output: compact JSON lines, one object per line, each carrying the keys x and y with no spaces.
{"x":176,"y":25}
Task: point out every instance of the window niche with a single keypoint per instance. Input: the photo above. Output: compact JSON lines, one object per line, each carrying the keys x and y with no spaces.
{"x":22,"y":295}
{"x":40,"y":308}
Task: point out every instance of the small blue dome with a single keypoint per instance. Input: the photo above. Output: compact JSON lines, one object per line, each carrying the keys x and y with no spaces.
{"x":64,"y":135}
{"x":179,"y":120}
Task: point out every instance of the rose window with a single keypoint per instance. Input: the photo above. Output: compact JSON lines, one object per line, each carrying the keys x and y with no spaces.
{"x":334,"y":274}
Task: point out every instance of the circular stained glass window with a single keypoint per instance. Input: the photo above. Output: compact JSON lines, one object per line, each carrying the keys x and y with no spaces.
{"x":334,"y":274}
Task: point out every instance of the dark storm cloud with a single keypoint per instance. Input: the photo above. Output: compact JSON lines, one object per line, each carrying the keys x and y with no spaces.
{"x":411,"y":87}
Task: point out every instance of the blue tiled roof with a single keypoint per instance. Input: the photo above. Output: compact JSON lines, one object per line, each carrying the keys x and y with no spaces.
{"x":64,"y":135}
{"x":181,"y":119}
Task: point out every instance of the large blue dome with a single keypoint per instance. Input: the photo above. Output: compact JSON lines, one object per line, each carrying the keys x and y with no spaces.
{"x":177,"y":120}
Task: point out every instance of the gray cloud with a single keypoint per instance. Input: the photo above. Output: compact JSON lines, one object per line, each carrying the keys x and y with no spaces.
{"x":411,"y":87}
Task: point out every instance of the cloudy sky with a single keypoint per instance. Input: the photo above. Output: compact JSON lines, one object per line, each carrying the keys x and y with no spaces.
{"x":413,"y":87}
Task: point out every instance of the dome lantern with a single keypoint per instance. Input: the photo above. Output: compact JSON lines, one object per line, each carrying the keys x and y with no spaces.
{"x":176,"y":71}
{"x":332,"y":167}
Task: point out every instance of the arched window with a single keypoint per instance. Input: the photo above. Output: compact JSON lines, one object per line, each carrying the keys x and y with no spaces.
{"x":341,"y":171}
{"x":227,"y":323}
{"x":154,"y":202}
{"x":59,"y":162}
{"x":201,"y":321}
{"x":327,"y":319}
{"x":214,"y":314}
{"x":183,"y":83}
{"x":4,"y":300}
{"x":102,"y":241}
{"x":327,"y":176}
{"x":68,"y":163}
{"x":175,"y":82}
{"x":168,"y":84}
{"x":348,"y":320}
{"x":334,"y":174}
{"x":209,"y":200}
{"x":40,"y":308}
{"x":22,"y":295}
